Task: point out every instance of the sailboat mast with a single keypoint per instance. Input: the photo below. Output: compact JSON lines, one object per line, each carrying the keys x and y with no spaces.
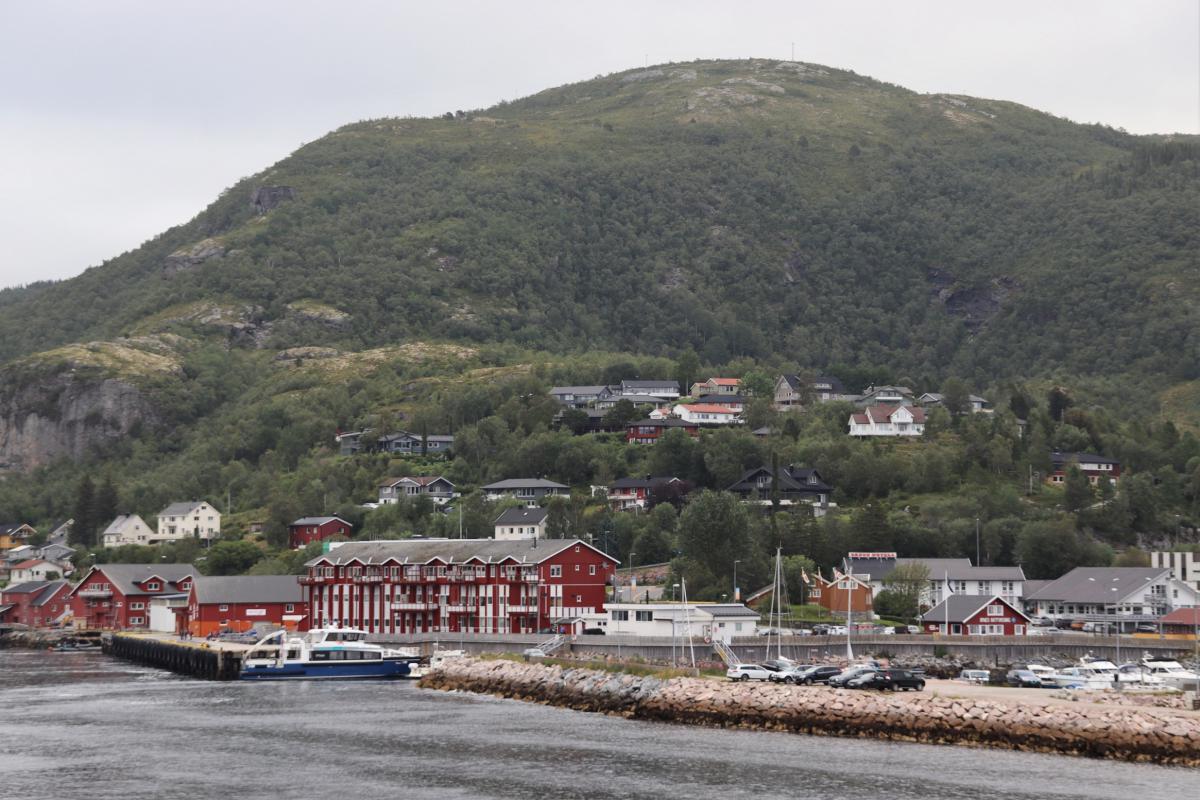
{"x":849,"y":612}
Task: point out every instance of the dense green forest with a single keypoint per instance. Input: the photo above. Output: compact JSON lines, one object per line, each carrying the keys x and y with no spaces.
{"x":740,"y":218}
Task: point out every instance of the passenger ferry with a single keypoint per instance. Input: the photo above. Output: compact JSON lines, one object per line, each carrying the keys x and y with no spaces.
{"x":339,"y":653}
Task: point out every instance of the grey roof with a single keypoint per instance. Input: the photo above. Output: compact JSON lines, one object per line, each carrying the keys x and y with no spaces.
{"x":578,"y":389}
{"x":249,"y":589}
{"x":429,"y":437}
{"x":523,"y":483}
{"x":9,"y":527}
{"x":1091,"y":458}
{"x":962,"y":607}
{"x":320,"y":521}
{"x":673,"y":385}
{"x":1033,"y":587}
{"x":955,"y":569}
{"x":718,"y":399}
{"x":522,"y":516}
{"x":180,"y":509}
{"x":728,"y":609}
{"x":29,"y":587}
{"x":641,"y":483}
{"x":1095,"y":584}
{"x":422,"y":551}
{"x":668,"y":422}
{"x":124,"y":577}
{"x":118,"y":524}
{"x":48,"y":591}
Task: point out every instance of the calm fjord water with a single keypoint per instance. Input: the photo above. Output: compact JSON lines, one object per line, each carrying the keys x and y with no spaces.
{"x":85,"y":726}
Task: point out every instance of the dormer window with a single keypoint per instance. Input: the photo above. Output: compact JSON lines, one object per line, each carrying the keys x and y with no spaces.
{"x":153,"y":586}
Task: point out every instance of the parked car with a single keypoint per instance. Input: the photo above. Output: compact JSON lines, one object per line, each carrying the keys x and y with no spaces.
{"x":847,"y":675}
{"x":748,"y":672}
{"x":913,"y":628}
{"x":1042,"y":622}
{"x":888,"y":680}
{"x":817,"y":675}
{"x":1023,"y":678}
{"x":790,"y":674}
{"x":836,"y":630}
{"x":975,"y":676}
{"x":820,"y":629}
{"x":1147,"y":627}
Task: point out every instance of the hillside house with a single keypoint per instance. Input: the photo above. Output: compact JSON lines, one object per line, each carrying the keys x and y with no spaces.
{"x":35,"y":569}
{"x":307,"y":530}
{"x":13,"y":534}
{"x":639,"y":401}
{"x":117,"y":596}
{"x":127,"y":529}
{"x":1096,"y":468}
{"x":1122,"y":595}
{"x":667,"y":390}
{"x":240,"y":602}
{"x":885,"y":396}
{"x":975,"y":615}
{"x":403,"y":443}
{"x":734,"y":402}
{"x":528,"y":490}
{"x":195,"y":519}
{"x":975,"y":403}
{"x":719,"y":386}
{"x":790,"y":391}
{"x":452,"y":585}
{"x":636,"y":494}
{"x":438,"y":489}
{"x":579,"y":396}
{"x":522,"y":523}
{"x":888,"y":421}
{"x":795,"y":484}
{"x":704,"y":414}
{"x":648,"y":431}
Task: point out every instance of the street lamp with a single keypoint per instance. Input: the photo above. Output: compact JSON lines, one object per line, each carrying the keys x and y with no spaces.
{"x":631,"y":578}
{"x":674,"y":586}
{"x":736,"y":561}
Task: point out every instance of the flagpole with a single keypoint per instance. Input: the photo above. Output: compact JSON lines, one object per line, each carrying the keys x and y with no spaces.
{"x":849,"y":616}
{"x":946,"y":601}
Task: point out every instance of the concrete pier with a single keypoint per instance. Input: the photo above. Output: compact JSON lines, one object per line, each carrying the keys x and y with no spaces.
{"x":220,"y":661}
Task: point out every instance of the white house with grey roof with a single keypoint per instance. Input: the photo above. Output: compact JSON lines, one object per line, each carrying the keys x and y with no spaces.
{"x":702,"y":621}
{"x":946,"y":576}
{"x":127,"y":529}
{"x":195,"y":519}
{"x":529,"y":490}
{"x":668,"y":390}
{"x":1113,"y":594}
{"x":522,"y":523}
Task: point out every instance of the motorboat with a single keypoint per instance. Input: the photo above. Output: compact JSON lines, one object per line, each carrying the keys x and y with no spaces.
{"x":436,"y":660}
{"x":1083,"y":677}
{"x":1171,"y":673}
{"x":324,"y":653}
{"x":1045,"y":674}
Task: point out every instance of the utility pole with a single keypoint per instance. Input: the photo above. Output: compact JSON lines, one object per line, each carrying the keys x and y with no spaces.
{"x":978,"y":563}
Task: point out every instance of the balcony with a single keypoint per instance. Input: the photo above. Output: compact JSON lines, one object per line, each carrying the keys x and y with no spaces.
{"x":95,"y":593}
{"x":312,"y":580}
{"x":458,"y":609}
{"x":516,"y":609}
{"x":413,"y":606}
{"x":368,"y":579}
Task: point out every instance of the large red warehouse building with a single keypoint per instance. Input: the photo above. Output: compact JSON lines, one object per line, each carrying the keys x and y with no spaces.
{"x":452,"y":585}
{"x":239,"y":602}
{"x":118,"y":595}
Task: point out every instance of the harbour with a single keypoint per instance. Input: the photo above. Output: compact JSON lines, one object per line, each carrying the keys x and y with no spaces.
{"x":83,"y":725}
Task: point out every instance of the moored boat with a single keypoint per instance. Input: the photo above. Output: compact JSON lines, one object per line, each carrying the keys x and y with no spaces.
{"x":324,"y":653}
{"x":1171,"y":673}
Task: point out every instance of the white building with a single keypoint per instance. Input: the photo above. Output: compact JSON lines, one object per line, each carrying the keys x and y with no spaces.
{"x":522,"y":523}
{"x":704,"y":622}
{"x":953,"y":575}
{"x":888,"y":421}
{"x":192,"y":519}
{"x":126,"y":529}
{"x":435,"y":487}
{"x":35,"y":570}
{"x":1184,"y":566}
{"x":706,"y":414}
{"x":1113,"y":594}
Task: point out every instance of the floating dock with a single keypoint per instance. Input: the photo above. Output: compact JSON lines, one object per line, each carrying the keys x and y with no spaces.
{"x":218,"y":661}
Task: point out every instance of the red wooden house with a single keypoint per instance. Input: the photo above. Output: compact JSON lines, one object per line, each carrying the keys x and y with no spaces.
{"x":35,"y":604}
{"x":975,"y":615}
{"x":648,"y":431}
{"x":240,"y":602}
{"x":117,"y":596}
{"x":836,"y":593}
{"x":317,"y":529}
{"x":451,"y":585}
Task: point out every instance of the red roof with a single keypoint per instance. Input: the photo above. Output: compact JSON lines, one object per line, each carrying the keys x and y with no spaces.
{"x":1182,"y":616}
{"x":725,"y":381}
{"x":705,"y":408}
{"x":883,"y":413}
{"x":33,"y":562}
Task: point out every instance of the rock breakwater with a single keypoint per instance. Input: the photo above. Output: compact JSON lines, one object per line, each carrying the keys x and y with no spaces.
{"x":1129,"y":734}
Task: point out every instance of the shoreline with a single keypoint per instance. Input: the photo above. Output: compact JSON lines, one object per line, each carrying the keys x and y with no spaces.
{"x":1113,"y":732}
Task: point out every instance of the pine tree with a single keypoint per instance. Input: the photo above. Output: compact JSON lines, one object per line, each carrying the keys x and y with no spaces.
{"x":107,"y":503}
{"x":83,"y":532}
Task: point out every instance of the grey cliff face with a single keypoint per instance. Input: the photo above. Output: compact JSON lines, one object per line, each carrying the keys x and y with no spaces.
{"x":62,"y":416}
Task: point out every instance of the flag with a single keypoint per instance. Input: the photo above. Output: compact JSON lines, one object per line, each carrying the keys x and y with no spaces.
{"x":804,"y":577}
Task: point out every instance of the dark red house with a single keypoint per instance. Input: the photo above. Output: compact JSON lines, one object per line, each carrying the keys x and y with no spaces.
{"x":117,"y":596}
{"x":306,"y":530}
{"x":1095,"y":468}
{"x":35,"y":604}
{"x":240,"y":602}
{"x":975,"y":615}
{"x":648,"y":431}
{"x":451,"y":585}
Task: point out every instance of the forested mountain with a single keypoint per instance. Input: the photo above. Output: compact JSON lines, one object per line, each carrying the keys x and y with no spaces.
{"x":734,"y":218}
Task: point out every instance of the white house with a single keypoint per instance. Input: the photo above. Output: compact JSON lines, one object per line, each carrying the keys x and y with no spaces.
{"x":975,"y":403}
{"x":664,"y":389}
{"x":522,"y":523}
{"x":706,"y":414}
{"x":126,"y":529}
{"x":888,"y":421}
{"x":703,"y":622}
{"x":953,"y":575}
{"x":1184,"y":566}
{"x":1126,"y":595}
{"x":35,"y":570}
{"x":435,"y":487}
{"x":191,"y":519}
{"x":727,"y":386}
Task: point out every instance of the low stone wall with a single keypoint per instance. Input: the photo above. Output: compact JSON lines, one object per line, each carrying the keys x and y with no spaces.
{"x":1104,"y":732}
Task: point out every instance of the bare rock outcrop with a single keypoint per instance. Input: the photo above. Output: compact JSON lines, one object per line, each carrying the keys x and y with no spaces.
{"x":192,"y":257}
{"x":266,"y":198}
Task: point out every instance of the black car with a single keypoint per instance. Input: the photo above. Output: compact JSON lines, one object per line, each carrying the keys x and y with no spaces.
{"x":817,"y":675}
{"x":1023,"y":677}
{"x":820,"y":629}
{"x":889,"y":680}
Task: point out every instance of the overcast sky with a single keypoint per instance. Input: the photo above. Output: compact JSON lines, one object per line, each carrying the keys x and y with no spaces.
{"x":120,"y":119}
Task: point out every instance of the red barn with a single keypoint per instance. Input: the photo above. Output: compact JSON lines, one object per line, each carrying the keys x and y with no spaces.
{"x":117,"y":596}
{"x":239,"y":602}
{"x":452,"y":585}
{"x":317,"y":529}
{"x":975,"y":615}
{"x":35,"y":604}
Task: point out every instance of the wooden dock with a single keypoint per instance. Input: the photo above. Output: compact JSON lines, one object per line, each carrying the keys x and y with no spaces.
{"x":219,"y":661}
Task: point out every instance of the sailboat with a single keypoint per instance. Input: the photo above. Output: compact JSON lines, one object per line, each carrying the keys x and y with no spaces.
{"x":777,"y":616}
